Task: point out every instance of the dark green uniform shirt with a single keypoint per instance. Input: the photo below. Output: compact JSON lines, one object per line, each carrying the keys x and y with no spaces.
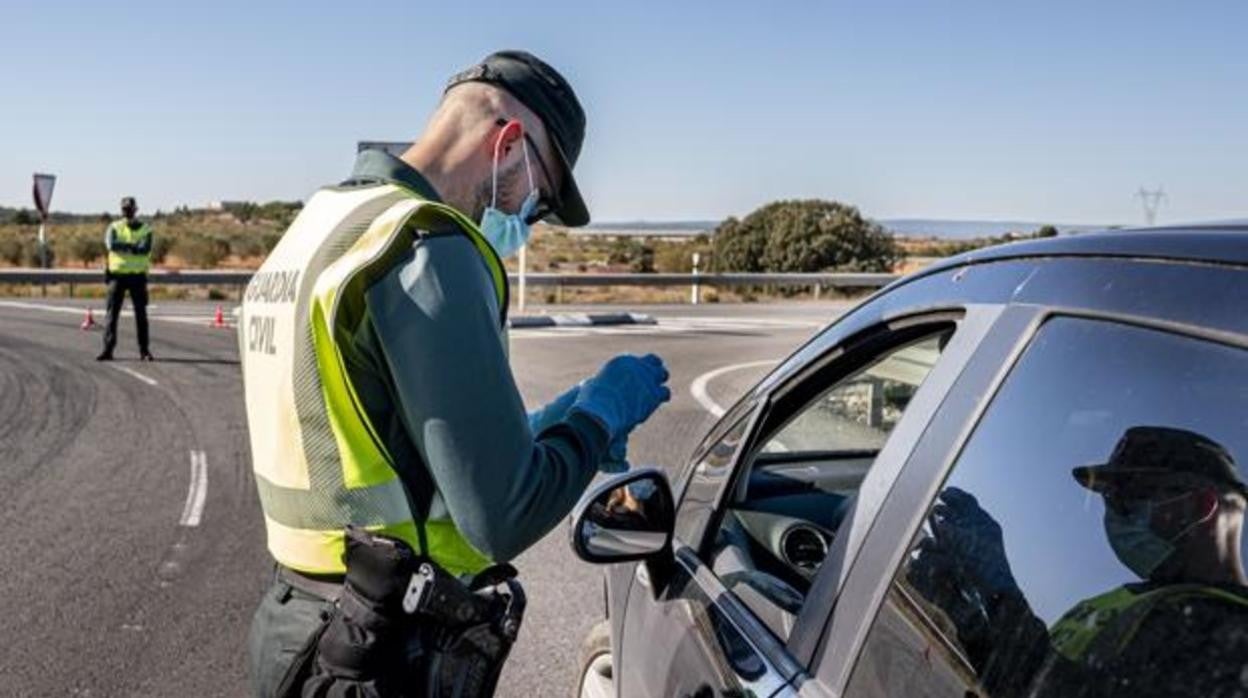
{"x":430,"y":365}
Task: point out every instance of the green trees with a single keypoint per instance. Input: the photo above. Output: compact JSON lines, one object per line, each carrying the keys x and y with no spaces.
{"x":638,"y":255}
{"x":201,"y":250}
{"x":804,"y":236}
{"x":84,"y":248}
{"x":11,"y":250}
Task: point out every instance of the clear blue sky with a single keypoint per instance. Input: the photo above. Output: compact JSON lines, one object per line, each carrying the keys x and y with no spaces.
{"x":1048,"y":111}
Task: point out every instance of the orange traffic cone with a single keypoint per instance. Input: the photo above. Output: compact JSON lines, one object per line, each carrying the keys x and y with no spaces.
{"x":88,"y":322}
{"x":218,"y":318}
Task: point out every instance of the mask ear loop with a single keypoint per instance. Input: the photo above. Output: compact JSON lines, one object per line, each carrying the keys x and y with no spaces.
{"x":528,"y":169}
{"x":498,"y":150}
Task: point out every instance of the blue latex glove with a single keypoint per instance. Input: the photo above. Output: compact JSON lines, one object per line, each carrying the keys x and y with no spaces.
{"x":626,"y":391}
{"x":616,"y":460}
{"x":553,"y":412}
{"x":550,"y":414}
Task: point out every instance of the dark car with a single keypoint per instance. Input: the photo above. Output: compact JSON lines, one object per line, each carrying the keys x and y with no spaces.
{"x":1020,"y":472}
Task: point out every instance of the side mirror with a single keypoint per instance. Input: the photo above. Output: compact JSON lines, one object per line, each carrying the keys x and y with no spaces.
{"x":627,"y":517}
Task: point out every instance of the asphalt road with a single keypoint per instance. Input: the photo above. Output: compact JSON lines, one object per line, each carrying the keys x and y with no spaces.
{"x":133,"y":550}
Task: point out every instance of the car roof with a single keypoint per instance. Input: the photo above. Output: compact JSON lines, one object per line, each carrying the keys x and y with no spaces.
{"x":1223,"y":244}
{"x":1214,"y":243}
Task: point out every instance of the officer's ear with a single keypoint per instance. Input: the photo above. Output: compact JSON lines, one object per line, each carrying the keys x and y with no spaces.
{"x":507,"y":136}
{"x":1206,"y":501}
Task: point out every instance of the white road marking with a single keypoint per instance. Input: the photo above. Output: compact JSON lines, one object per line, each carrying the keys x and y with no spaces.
{"x":39,"y":306}
{"x":136,"y":374}
{"x":698,"y":387}
{"x":665,"y":326}
{"x":204,"y":319}
{"x":739,"y":322}
{"x":525,"y":333}
{"x":197,"y":494}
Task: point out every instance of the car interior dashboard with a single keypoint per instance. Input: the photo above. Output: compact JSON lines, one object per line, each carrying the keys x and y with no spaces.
{"x":776,"y":534}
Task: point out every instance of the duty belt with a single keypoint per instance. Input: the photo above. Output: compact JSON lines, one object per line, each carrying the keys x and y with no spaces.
{"x":327,"y":587}
{"x":401,"y":626}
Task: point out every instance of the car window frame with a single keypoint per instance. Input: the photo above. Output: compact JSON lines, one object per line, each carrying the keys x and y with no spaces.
{"x":937,"y":454}
{"x":838,"y":359}
{"x":842,"y":362}
{"x":970,"y":323}
{"x":974,"y":328}
{"x":749,"y":411}
{"x":780,"y":423}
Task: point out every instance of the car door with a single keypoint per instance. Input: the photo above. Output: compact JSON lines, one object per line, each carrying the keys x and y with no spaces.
{"x":726,"y":616}
{"x":1001,"y":563}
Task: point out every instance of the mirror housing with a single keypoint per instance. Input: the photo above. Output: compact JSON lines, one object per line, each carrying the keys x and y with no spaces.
{"x":624,"y":518}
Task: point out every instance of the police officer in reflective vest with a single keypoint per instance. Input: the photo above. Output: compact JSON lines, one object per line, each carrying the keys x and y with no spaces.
{"x":1174,"y":516}
{"x":129,"y":244}
{"x":394,"y":460}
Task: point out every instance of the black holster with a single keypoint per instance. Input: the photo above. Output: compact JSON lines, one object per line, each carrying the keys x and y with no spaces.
{"x":404,"y":627}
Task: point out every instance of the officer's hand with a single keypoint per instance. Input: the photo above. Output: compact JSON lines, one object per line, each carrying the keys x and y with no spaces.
{"x":966,"y":544}
{"x":626,"y":391}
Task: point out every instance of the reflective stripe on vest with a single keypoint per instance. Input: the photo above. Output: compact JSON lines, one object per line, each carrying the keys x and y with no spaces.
{"x":127,"y":262}
{"x":318,"y":460}
{"x":1099,"y":628}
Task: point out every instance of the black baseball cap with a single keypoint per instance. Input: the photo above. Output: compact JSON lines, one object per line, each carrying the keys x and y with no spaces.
{"x":128,"y":202}
{"x":544,"y":91}
{"x":1147,"y":453}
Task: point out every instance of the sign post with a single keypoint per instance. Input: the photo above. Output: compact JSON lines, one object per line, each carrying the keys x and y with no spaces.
{"x":694,"y":294}
{"x":42,"y":191}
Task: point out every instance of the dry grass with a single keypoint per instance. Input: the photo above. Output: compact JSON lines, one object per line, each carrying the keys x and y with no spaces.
{"x":220,"y":240}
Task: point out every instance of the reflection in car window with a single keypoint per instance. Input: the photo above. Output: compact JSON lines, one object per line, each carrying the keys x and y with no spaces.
{"x":1089,"y":539}
{"x":774,"y":535}
{"x":705,"y":480}
{"x":858,"y":413}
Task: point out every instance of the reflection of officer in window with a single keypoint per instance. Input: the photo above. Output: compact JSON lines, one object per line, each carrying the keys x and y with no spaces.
{"x":1174,"y":512}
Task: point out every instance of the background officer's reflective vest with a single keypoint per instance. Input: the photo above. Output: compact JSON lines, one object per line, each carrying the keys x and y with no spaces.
{"x":319,"y":462}
{"x":1100,"y":628}
{"x":129,"y":262}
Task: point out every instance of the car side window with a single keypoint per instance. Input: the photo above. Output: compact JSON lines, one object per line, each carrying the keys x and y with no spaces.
{"x":859,"y":412}
{"x":791,"y":496}
{"x":1088,"y":541}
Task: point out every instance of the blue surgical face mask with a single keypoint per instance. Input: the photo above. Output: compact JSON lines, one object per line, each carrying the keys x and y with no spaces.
{"x":1133,"y":539}
{"x":508,"y":232}
{"x":1135,"y":543}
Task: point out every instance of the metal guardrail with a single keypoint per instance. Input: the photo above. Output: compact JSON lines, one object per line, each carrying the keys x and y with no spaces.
{"x":830,"y":280}
{"x":96,"y":276}
{"x":239,"y":278}
{"x":242,"y":277}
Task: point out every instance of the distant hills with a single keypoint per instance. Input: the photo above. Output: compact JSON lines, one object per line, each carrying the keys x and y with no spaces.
{"x":967,"y":230}
{"x":906,"y":227}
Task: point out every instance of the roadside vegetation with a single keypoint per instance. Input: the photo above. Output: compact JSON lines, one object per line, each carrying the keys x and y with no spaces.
{"x":784,"y":236}
{"x":237,"y":236}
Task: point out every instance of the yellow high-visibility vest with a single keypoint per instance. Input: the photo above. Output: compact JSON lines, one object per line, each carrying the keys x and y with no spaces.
{"x":129,"y":262}
{"x":318,"y":461}
{"x":1097,"y":629}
